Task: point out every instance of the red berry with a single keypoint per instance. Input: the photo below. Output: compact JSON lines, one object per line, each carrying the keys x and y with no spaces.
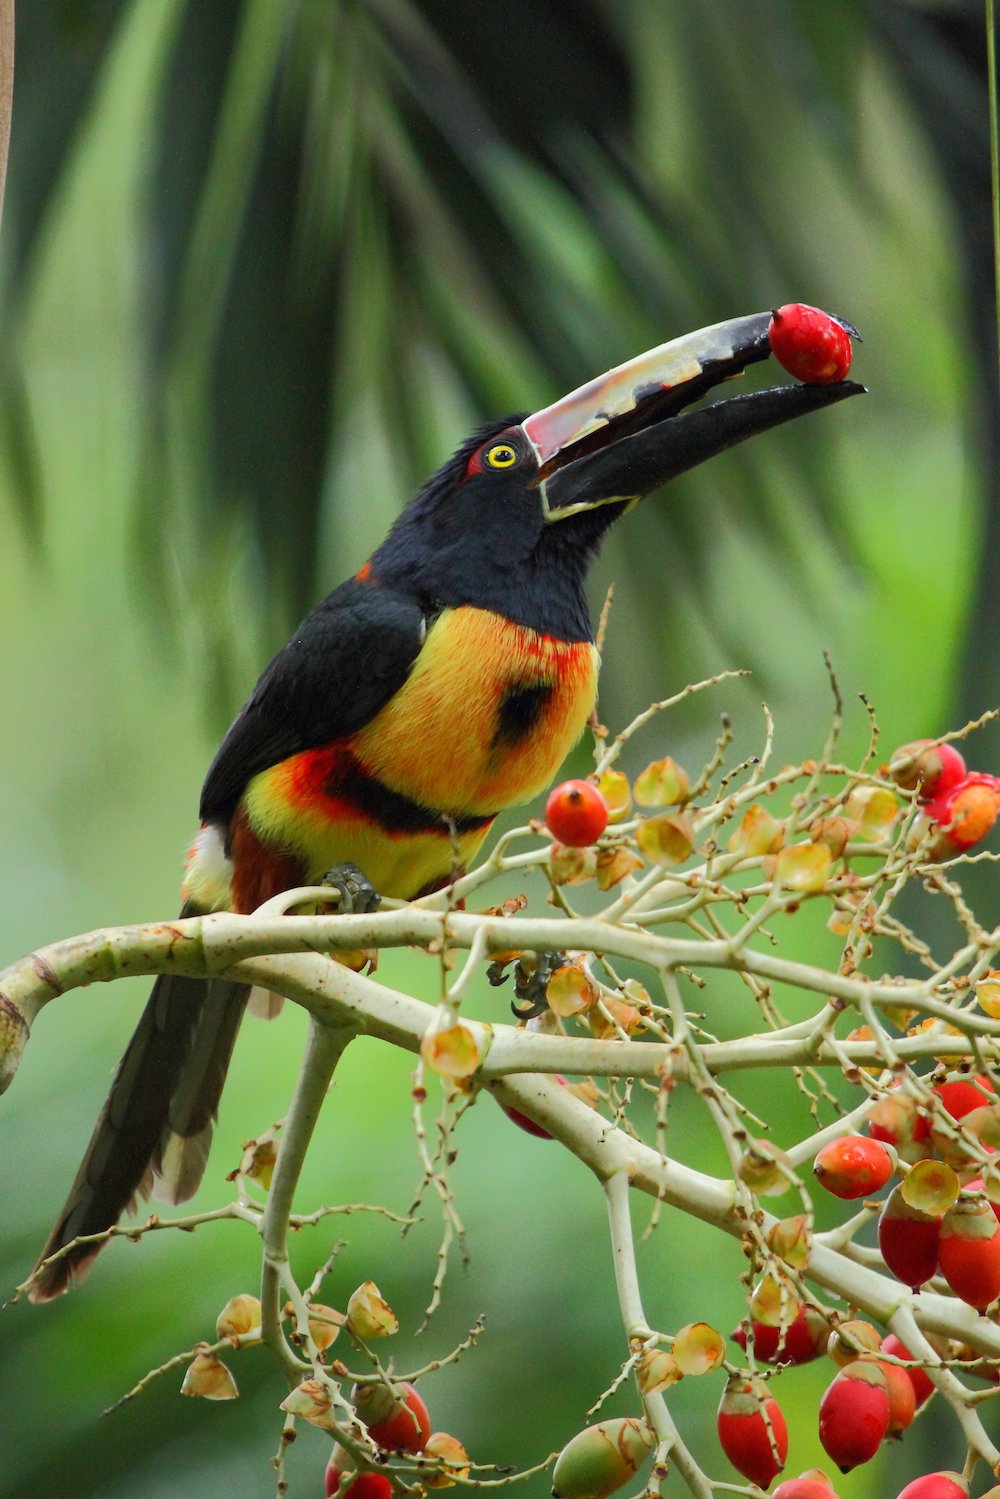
{"x":752,"y":1430}
{"x":810,"y":344}
{"x":960,"y":1095}
{"x":804,"y":1339}
{"x":923,"y":1385}
{"x":934,"y":772}
{"x":853,"y":1166}
{"x":936,"y":1486}
{"x":854,"y":1415}
{"x":365,"y":1485}
{"x":969,"y":1251}
{"x":908,"y":1239}
{"x":576,"y":813}
{"x":812,"y":1484}
{"x":397,"y":1418}
{"x":528,"y":1125}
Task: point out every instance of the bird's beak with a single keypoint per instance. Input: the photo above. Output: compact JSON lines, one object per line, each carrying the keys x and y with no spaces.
{"x":620,"y":436}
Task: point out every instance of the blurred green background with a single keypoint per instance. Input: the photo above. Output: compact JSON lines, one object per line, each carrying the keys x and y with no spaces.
{"x":265,"y":263}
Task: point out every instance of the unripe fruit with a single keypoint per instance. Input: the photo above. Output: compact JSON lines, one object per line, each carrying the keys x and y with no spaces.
{"x":789,"y":1240}
{"x":397,"y":1418}
{"x":908,"y":1240}
{"x":576,"y":813}
{"x":853,"y":1166}
{"x":969,"y":1251}
{"x":325,"y":1323}
{"x":662,"y":784}
{"x":804,"y":1339}
{"x":667,"y":838}
{"x":937,"y":768}
{"x":698,"y":1348}
{"x":804,"y":866}
{"x":854,"y":1415}
{"x":240,"y":1316}
{"x":601,"y":1458}
{"x":614,"y":787}
{"x":571,"y":866}
{"x":765,"y":1168}
{"x":978,"y":1185}
{"x":208,"y":1377}
{"x":936,"y":1486}
{"x":454,"y":1461}
{"x":369,"y":1315}
{"x":923,"y":1385}
{"x":752,"y":1431}
{"x":931,"y":1187}
{"x":812,"y":1484}
{"x":851,"y":1340}
{"x":809,"y":343}
{"x":759,"y":832}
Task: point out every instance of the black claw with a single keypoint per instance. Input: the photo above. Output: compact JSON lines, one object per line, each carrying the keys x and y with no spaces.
{"x":358,"y":896}
{"x":531,"y":983}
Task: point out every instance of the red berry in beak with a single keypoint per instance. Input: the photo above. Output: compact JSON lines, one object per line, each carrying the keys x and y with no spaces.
{"x":810,"y":344}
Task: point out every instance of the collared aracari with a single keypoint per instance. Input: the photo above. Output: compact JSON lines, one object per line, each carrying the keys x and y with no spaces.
{"x":447,"y":680}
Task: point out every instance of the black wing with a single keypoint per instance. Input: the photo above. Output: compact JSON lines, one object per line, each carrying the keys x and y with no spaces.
{"x":347,"y":658}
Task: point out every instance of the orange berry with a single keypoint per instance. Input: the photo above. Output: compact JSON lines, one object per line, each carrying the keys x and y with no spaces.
{"x":923,"y":1385}
{"x":576,"y":813}
{"x":853,"y":1166}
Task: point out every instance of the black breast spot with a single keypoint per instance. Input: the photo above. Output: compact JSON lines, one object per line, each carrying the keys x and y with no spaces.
{"x":521,"y":708}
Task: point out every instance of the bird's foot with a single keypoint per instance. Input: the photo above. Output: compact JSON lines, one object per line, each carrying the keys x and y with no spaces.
{"x":358,"y":896}
{"x":531,"y":977}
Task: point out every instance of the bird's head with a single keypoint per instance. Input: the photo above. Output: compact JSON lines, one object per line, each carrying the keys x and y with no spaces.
{"x":513,"y":518}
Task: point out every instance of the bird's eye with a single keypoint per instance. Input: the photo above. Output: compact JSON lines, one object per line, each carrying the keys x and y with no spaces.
{"x":501,"y":455}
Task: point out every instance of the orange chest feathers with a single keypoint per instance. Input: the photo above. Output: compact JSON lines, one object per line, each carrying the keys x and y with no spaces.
{"x":486,"y":717}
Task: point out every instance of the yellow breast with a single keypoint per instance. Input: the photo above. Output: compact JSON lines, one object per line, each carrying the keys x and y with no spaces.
{"x":486,"y":717}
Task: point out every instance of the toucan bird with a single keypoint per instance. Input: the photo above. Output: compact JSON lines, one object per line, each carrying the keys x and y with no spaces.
{"x":447,"y":680}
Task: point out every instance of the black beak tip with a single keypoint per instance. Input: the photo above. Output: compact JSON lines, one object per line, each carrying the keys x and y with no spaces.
{"x":848,"y":327}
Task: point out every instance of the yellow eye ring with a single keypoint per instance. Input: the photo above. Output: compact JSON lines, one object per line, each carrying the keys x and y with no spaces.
{"x":502,"y":456}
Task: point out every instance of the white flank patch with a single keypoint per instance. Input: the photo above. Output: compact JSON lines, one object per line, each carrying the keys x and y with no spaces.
{"x":207,"y":871}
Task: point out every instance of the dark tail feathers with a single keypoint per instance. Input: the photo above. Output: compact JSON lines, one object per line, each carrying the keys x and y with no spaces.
{"x":156,"y":1124}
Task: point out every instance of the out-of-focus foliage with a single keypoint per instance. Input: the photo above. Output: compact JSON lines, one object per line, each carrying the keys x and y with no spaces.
{"x":265,"y":264}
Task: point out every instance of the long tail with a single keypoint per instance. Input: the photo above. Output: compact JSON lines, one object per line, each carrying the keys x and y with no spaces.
{"x":155,"y":1127}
